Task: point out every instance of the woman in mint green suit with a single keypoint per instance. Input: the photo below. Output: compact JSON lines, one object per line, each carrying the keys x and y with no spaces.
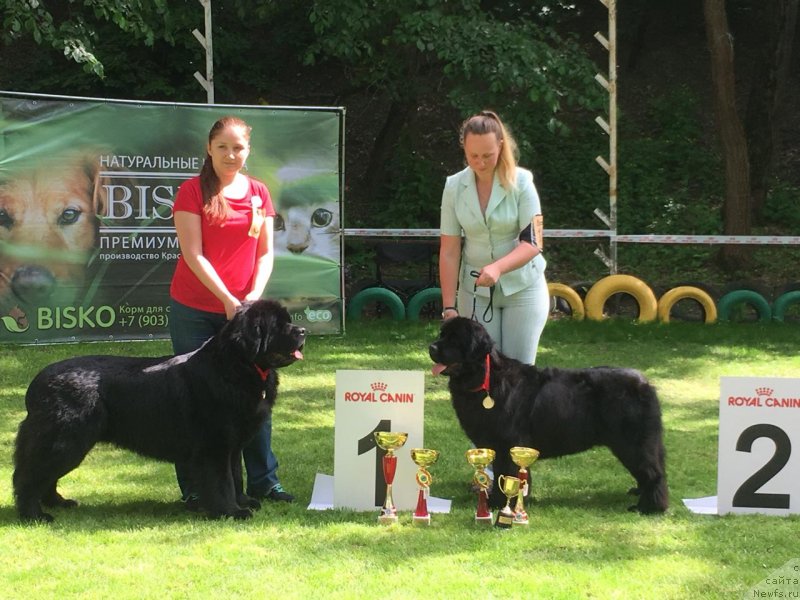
{"x":491,"y":225}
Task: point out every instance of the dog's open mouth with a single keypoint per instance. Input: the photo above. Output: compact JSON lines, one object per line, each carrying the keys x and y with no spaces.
{"x":296,"y":354}
{"x":283,"y":359}
{"x":439,"y":369}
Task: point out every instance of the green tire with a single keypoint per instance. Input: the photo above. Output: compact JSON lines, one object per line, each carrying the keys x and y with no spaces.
{"x":420,"y":299}
{"x":783,"y":302}
{"x":735,"y":298}
{"x":376,"y":294}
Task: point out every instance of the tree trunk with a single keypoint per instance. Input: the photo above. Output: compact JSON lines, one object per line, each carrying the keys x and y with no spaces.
{"x":736,"y":207}
{"x":771,"y":72}
{"x":378,"y":174}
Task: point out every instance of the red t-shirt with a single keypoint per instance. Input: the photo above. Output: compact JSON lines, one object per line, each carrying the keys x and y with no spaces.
{"x":227,"y":246}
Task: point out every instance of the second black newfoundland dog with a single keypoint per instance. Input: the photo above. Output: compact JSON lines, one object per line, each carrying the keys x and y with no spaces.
{"x":199,"y":408}
{"x":556,"y":411}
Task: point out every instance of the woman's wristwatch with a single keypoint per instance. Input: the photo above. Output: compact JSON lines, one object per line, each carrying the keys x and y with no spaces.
{"x":446,"y":308}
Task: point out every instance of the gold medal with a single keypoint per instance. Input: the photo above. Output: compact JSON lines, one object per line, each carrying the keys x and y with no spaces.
{"x":258,"y":217}
{"x":488,"y":403}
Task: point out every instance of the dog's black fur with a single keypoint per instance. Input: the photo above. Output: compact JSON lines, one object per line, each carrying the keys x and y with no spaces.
{"x":199,"y":408}
{"x":556,"y":411}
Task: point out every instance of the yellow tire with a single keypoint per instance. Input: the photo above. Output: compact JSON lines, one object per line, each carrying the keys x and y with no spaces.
{"x":571,"y":296}
{"x":601,"y":291}
{"x":675,"y":295}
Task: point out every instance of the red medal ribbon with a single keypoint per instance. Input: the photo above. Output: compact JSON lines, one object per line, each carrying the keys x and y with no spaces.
{"x":263,"y":373}
{"x":485,"y":385}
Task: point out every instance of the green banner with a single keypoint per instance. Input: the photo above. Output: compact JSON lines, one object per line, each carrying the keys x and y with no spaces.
{"x":87,"y":242}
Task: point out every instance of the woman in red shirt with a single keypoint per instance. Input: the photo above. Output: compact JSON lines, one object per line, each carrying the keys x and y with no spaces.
{"x":224,"y":222}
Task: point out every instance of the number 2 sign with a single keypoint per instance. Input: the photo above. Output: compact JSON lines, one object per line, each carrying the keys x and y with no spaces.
{"x":759,"y":445}
{"x":366,"y":402}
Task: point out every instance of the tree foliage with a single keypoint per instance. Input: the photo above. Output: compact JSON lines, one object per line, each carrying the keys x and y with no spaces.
{"x":419,"y":66}
{"x":71,"y":26}
{"x":505,"y":54}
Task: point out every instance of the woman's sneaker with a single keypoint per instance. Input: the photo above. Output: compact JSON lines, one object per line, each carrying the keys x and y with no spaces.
{"x":278,"y":494}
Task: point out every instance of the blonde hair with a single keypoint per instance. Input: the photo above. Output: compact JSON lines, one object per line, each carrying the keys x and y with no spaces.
{"x":215,"y":206}
{"x":485,"y":122}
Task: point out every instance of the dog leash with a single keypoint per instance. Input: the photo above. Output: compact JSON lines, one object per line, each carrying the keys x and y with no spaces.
{"x":490,"y":307}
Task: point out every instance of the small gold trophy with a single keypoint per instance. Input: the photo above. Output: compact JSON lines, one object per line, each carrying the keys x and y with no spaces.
{"x":480,"y":458}
{"x":510,"y":486}
{"x":423,"y":458}
{"x":389,"y":441}
{"x":523,"y":458}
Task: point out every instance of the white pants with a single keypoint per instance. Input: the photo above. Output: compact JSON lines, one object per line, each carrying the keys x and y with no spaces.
{"x":515,"y":322}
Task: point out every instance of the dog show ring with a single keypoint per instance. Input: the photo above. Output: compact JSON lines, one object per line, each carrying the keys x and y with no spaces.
{"x":559,"y":290}
{"x":686,"y":292}
{"x":606,"y":287}
{"x":732,"y":299}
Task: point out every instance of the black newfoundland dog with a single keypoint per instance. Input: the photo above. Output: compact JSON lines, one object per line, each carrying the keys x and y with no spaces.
{"x":200,"y":408}
{"x":556,"y":411}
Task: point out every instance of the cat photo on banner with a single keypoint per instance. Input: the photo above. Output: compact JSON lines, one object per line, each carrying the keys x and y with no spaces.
{"x":308,"y":222}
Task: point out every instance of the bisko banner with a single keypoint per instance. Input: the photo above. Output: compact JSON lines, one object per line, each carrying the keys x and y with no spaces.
{"x":87,"y":242}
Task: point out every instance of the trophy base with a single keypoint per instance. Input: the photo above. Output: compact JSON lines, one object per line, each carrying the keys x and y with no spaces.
{"x":516,"y":523}
{"x":422,"y":521}
{"x":504,"y":520}
{"x":387,"y":519}
{"x":484,"y":520}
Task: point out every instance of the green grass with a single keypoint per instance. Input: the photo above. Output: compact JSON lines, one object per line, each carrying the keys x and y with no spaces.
{"x":131,"y":539}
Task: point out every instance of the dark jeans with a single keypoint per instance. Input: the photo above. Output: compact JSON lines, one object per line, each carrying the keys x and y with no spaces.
{"x":189,"y":328}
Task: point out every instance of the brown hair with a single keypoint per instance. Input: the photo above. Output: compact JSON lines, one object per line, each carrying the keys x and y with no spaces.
{"x":485,"y":122}
{"x":215,"y":206}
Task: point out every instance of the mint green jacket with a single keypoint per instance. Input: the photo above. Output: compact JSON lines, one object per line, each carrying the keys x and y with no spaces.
{"x":488,"y":238}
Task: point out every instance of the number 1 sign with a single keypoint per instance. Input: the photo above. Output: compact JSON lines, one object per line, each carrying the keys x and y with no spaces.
{"x":759,"y":445}
{"x":366,"y":402}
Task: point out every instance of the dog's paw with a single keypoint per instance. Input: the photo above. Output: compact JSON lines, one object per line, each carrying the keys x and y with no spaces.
{"x":646,"y":510}
{"x":238,"y":513}
{"x":634,"y":491}
{"x":242,"y":514}
{"x":59,"y":502}
{"x":249,"y":502}
{"x":41,"y":517}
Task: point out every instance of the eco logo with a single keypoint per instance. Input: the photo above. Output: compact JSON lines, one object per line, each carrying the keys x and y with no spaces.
{"x":16,"y":321}
{"x":317,"y":315}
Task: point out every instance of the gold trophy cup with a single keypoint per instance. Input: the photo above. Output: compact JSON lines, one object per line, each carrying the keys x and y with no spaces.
{"x":510,"y":486}
{"x":523,"y":458}
{"x":389,"y":441}
{"x":423,"y":458}
{"x":480,"y":458}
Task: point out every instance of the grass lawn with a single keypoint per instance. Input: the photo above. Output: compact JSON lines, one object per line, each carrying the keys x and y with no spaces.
{"x":130,"y":538}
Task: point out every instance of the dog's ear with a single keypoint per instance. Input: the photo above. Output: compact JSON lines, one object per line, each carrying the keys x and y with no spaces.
{"x":90,"y":163}
{"x":241,"y":334}
{"x":481,"y":341}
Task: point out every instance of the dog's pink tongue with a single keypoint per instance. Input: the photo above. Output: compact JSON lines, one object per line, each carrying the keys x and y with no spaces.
{"x":298,"y":355}
{"x":438,"y":368}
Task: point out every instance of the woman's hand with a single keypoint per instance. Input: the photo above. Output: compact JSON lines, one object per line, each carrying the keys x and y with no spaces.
{"x":488,"y":276}
{"x":231,"y":304}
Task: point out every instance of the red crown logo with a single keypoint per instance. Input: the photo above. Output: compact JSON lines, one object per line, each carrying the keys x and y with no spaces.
{"x":764,"y":391}
{"x":378,"y":386}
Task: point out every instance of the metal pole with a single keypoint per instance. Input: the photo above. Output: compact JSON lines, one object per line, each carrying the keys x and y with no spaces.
{"x":205,"y":41}
{"x":612,"y":121}
{"x":610,"y":127}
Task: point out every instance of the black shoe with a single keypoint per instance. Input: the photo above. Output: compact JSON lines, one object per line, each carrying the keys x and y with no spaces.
{"x":278,"y":494}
